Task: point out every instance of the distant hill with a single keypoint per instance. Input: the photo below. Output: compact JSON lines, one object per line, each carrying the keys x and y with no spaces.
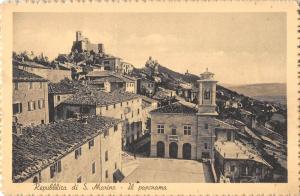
{"x":275,"y":92}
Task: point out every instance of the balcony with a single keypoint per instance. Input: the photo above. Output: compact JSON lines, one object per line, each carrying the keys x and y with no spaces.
{"x":173,"y":138}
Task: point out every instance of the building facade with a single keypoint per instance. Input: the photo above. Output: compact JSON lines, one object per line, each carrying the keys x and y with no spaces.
{"x":118,"y":104}
{"x":30,"y":98}
{"x":82,"y":150}
{"x":182,"y":131}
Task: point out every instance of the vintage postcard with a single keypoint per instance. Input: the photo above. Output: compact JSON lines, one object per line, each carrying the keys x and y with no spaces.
{"x":150,"y":98}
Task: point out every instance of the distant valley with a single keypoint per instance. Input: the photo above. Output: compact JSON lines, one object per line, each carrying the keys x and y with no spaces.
{"x":274,"y":92}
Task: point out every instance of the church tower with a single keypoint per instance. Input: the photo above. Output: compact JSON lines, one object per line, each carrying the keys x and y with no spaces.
{"x":206,"y":115}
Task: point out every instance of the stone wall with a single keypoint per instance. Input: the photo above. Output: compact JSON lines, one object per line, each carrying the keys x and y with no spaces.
{"x":23,"y":95}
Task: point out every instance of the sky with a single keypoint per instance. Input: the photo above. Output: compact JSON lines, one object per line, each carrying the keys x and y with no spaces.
{"x":240,"y":48}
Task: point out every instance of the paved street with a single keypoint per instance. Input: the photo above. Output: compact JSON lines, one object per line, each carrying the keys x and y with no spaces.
{"x":166,"y":170}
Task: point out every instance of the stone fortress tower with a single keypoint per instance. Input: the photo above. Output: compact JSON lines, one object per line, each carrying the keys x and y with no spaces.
{"x":206,"y":115}
{"x":82,"y":44}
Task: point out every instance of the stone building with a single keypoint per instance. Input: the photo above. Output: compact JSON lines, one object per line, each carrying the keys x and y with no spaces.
{"x":30,"y":98}
{"x":111,"y":81}
{"x":53,"y":75}
{"x":83,"y":44}
{"x":146,"y":86}
{"x":182,"y":131}
{"x":118,"y":104}
{"x":125,"y":68}
{"x":59,"y":92}
{"x":70,"y":151}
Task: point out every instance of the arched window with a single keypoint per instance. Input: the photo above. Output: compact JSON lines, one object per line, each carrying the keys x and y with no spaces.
{"x":35,"y":179}
{"x":207,"y":93}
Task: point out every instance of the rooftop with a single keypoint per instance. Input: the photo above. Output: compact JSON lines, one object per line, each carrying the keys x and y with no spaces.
{"x":237,"y":151}
{"x":176,"y":108}
{"x":65,"y":87}
{"x":224,"y":125}
{"x":91,"y":97}
{"x":29,"y":64}
{"x":108,"y":79}
{"x":42,"y":145}
{"x":24,"y":76}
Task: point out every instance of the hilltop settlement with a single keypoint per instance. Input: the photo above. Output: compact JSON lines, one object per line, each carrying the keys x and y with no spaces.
{"x":89,"y":116}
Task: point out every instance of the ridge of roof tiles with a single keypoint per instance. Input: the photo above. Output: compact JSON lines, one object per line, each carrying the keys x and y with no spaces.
{"x":176,"y":107}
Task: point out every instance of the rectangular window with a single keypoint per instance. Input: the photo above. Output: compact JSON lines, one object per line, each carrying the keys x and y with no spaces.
{"x":16,"y":85}
{"x":30,"y":85}
{"x":107,"y":107}
{"x":121,"y":116}
{"x":77,"y":153}
{"x":58,"y":98}
{"x":79,"y":179}
{"x":114,"y":105}
{"x":31,"y":105}
{"x":106,"y":155}
{"x":106,"y":174}
{"x":17,"y":108}
{"x":39,"y":104}
{"x":41,"y":85}
{"x":55,"y":168}
{"x":187,"y":130}
{"x":91,"y":143}
{"x":138,"y":111}
{"x":173,"y":131}
{"x":206,"y":126}
{"x":161,"y":129}
{"x":127,"y":102}
{"x":115,"y":128}
{"x":205,"y":145}
{"x":93,"y":168}
{"x":34,"y":105}
{"x":121,"y":104}
{"x":116,"y":166}
{"x":132,"y":114}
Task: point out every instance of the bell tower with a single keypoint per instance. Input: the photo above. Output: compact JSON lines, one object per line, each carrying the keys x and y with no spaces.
{"x":206,"y":115}
{"x":207,"y":93}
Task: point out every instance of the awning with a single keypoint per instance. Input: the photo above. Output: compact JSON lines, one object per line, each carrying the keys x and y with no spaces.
{"x":118,"y":176}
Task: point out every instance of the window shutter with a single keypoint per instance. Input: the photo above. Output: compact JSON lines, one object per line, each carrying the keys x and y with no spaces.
{"x":59,"y":166}
{"x":52,"y":171}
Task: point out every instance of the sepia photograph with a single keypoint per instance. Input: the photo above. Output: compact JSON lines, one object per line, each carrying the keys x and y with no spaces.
{"x":150,"y":97}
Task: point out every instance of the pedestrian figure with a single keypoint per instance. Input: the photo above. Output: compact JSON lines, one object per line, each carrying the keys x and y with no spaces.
{"x":134,"y":155}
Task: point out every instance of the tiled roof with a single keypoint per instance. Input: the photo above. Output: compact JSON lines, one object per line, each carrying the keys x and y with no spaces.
{"x":91,"y":97}
{"x":24,"y":76}
{"x":224,"y":125}
{"x":42,"y":145}
{"x":108,"y":79}
{"x":175,"y":108}
{"x":29,"y":64}
{"x":65,"y":86}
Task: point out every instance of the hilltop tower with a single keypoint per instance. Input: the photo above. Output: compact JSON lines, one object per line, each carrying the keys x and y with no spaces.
{"x":206,"y":115}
